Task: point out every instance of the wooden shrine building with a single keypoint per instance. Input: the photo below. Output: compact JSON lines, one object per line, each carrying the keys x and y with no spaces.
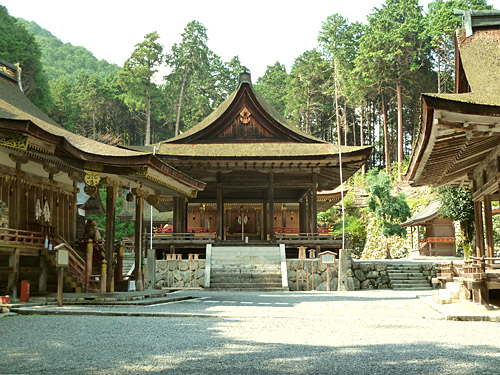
{"x":40,"y":167}
{"x":254,"y":163}
{"x":439,"y":238}
{"x":459,"y":141}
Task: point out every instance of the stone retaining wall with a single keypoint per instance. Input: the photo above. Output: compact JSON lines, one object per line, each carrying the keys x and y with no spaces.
{"x":360,"y":275}
{"x":180,"y":274}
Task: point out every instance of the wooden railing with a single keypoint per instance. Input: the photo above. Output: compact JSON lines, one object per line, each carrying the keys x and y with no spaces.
{"x":308,"y":237}
{"x":21,"y":237}
{"x":184,"y":237}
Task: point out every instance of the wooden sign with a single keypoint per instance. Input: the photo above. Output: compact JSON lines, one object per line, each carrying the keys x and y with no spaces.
{"x":327,"y":257}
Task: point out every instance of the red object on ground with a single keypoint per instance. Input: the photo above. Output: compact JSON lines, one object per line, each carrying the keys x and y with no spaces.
{"x":4,"y":300}
{"x":25,"y":291}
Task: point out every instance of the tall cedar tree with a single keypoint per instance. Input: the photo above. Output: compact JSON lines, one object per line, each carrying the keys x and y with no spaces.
{"x":393,"y":48}
{"x":137,"y":78}
{"x":273,"y":86}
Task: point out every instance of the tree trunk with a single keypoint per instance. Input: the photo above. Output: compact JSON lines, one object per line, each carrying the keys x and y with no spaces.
{"x":345,"y":123}
{"x":337,"y":116}
{"x":439,"y":72}
{"x":180,"y":102}
{"x":362,"y":138}
{"x":400,"y":127}
{"x":308,"y":112}
{"x":147,"y":138}
{"x":386,"y":138}
{"x":355,"y":141}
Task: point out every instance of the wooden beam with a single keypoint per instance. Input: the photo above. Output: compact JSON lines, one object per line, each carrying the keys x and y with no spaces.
{"x":271,"y":206}
{"x":138,"y":233}
{"x":478,"y":222}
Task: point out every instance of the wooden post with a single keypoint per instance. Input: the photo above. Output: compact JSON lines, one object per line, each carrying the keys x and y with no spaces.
{"x":119,"y":264}
{"x":264,"y":220}
{"x":88,"y":263}
{"x":103,"y":275}
{"x":271,"y":206}
{"x":488,"y":223}
{"x":343,"y":265}
{"x":220,"y":213}
{"x":138,"y":233}
{"x":314,"y":204}
{"x":42,"y":280}
{"x":60,"y":284}
{"x":110,"y":235}
{"x":302,"y":216}
{"x":478,"y":221}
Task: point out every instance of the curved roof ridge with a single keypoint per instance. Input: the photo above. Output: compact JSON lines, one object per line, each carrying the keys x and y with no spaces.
{"x":224,"y":106}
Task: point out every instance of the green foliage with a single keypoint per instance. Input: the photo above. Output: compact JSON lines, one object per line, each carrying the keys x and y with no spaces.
{"x":273,"y":86}
{"x":18,"y":46}
{"x":65,"y":61}
{"x":456,"y":203}
{"x":390,"y":210}
{"x":137,"y":78}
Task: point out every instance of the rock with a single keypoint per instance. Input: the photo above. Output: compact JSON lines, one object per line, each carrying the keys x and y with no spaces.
{"x":366,"y":267}
{"x":357,"y":283}
{"x":367,"y":284}
{"x":201,"y":263}
{"x":427,"y":267}
{"x":321,"y":267}
{"x":360,"y":275}
{"x":321,"y":287}
{"x":185,"y":265}
{"x":355,"y":265}
{"x":350,"y":273}
{"x":161,"y":265}
{"x":179,"y":284}
{"x":372,"y":275}
{"x":380,"y":267}
{"x":186,"y":275}
{"x":160,"y":284}
{"x":177,"y":275}
{"x":5,"y":310}
{"x":199,"y":273}
{"x":317,"y":280}
{"x":334,"y":283}
{"x":384,"y":286}
{"x":294,"y":265}
{"x":201,"y":282}
{"x":384,"y":280}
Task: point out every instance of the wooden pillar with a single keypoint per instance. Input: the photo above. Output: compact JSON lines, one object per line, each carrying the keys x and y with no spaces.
{"x":14,"y":273}
{"x":271,"y":206}
{"x":283,"y":217}
{"x":220,"y":208}
{"x":138,"y":233}
{"x":314,"y":204}
{"x":478,"y":222}
{"x":302,"y":216}
{"x":42,"y":280}
{"x":488,"y":223}
{"x":309,"y":212}
{"x":264,"y":220}
{"x":110,"y":235}
{"x":202,"y":217}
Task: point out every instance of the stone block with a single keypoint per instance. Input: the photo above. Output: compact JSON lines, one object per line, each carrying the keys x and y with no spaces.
{"x":317,"y":279}
{"x":159,"y":284}
{"x":321,"y":267}
{"x":380,"y":267}
{"x":177,"y":275}
{"x":350,"y":273}
{"x":368,"y":284}
{"x":372,"y":275}
{"x":294,"y":265}
{"x":360,"y":275}
{"x":201,"y":282}
{"x":427,"y":267}
{"x":161,"y":265}
{"x":383,"y":286}
{"x":354,"y":265}
{"x":184,"y":265}
{"x":200,"y":273}
{"x":357,"y":283}
{"x":366,"y":267}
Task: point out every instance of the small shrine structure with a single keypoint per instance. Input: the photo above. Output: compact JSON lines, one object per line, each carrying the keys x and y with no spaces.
{"x":439,"y":238}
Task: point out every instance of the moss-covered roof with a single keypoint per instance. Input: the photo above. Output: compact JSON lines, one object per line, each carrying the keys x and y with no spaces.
{"x":480,"y":57}
{"x":255,"y":150}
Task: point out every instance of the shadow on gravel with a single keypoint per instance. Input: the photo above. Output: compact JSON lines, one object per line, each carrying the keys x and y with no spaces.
{"x":96,"y":345}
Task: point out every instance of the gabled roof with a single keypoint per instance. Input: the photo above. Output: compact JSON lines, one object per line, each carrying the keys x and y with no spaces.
{"x":246,"y":126}
{"x":458,"y":131}
{"x":39,"y":136}
{"x":429,"y":213}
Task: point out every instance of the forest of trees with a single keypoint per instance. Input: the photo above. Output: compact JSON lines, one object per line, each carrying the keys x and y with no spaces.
{"x":361,"y":85}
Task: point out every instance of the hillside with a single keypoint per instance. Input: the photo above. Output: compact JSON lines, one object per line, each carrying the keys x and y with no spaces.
{"x":64,"y":59}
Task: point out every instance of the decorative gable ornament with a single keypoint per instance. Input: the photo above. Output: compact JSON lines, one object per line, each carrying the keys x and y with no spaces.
{"x":245,"y":115}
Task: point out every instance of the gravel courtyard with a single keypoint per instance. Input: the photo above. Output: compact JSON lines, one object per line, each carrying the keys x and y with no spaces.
{"x":367,"y":332}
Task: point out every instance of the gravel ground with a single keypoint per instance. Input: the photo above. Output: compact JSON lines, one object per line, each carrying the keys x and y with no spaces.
{"x":298,"y":333}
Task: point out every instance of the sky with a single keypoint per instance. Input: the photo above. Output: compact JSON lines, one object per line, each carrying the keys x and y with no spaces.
{"x":260,"y":32}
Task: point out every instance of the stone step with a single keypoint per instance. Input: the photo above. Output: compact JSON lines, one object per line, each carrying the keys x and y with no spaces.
{"x":225,"y":280}
{"x":410,"y":273}
{"x":398,"y":269}
{"x":245,"y":285}
{"x":407,"y":277}
{"x":236,"y":289}
{"x":411,"y":282}
{"x":411,"y":287}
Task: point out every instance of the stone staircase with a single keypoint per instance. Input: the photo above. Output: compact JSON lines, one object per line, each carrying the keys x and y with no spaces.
{"x":246,"y":268}
{"x":407,"y":277}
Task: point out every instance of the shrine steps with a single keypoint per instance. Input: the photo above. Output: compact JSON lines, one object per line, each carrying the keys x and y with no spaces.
{"x":246,"y":268}
{"x":407,"y":277}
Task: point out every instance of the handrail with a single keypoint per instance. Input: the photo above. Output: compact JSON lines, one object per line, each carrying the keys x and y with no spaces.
{"x":21,"y":237}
